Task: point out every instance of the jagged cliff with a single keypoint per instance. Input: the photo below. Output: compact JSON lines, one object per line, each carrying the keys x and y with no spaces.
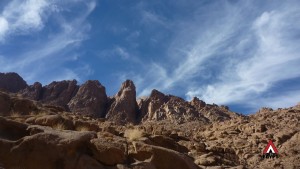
{"x":90,"y":99}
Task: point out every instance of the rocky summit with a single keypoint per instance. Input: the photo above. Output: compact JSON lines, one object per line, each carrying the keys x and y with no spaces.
{"x":64,"y":125}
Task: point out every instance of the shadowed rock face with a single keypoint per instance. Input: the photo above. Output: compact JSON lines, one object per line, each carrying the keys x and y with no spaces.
{"x":56,"y":93}
{"x":12,"y":82}
{"x":124,"y":107}
{"x":90,"y":99}
{"x":59,"y":93}
{"x":33,"y":92}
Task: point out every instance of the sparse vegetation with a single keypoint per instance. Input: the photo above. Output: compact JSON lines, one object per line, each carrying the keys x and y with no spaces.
{"x":15,"y":114}
{"x":133,"y":134}
{"x":42,"y":113}
{"x":82,"y":128}
{"x":59,"y":126}
{"x":33,"y":113}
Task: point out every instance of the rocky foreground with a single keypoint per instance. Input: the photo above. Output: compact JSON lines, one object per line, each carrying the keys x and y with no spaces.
{"x":66,"y":126}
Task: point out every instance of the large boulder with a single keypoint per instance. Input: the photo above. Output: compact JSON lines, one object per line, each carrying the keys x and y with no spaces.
{"x":10,"y":104}
{"x":54,"y":121}
{"x":48,"y":149}
{"x":109,"y":152}
{"x":161,"y":158}
{"x":123,"y":108}
{"x":166,"y":142}
{"x":90,"y":99}
{"x":12,"y":130}
{"x":5,"y":103}
{"x":12,"y":82}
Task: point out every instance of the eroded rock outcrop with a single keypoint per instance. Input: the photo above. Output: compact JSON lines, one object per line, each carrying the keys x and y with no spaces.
{"x":15,"y":105}
{"x":167,"y":107}
{"x":59,"y":93}
{"x":33,"y":92}
{"x":90,"y":99}
{"x":123,"y":108}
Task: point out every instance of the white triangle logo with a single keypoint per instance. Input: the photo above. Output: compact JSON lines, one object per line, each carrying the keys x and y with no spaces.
{"x":270,"y":150}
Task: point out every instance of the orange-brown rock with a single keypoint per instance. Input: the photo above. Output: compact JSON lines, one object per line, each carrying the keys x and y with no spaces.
{"x":62,"y":149}
{"x":161,"y":158}
{"x":123,"y":108}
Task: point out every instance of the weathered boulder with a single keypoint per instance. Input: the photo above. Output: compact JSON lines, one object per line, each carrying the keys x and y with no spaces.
{"x":161,"y":158}
{"x":18,"y":105}
{"x":12,"y":130}
{"x":108,"y":152}
{"x":62,"y":149}
{"x":166,"y":142}
{"x":56,"y":121}
{"x":23,"y":106}
{"x":90,"y":99}
{"x":5,"y":103}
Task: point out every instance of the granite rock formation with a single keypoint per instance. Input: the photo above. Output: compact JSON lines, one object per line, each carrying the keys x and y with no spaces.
{"x":12,"y":82}
{"x":90,"y":99}
{"x":123,"y":108}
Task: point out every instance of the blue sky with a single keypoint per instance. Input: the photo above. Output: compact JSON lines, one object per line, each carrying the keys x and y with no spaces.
{"x":245,"y":54}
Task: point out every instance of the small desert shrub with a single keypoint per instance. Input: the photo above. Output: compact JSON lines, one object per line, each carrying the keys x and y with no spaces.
{"x":19,"y":119}
{"x":42,"y":113}
{"x":32,"y":113}
{"x":82,"y":128}
{"x":15,"y":114}
{"x":133,"y":134}
{"x":59,"y":126}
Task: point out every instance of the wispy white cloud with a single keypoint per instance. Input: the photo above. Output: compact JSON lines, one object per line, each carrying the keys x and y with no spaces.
{"x":3,"y":28}
{"x":229,"y":59}
{"x":54,"y":48}
{"x":22,"y":16}
{"x":115,"y":52}
{"x":193,"y":47}
{"x":275,"y":59}
{"x":151,"y":18}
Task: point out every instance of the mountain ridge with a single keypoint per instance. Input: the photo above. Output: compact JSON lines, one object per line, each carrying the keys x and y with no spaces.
{"x":91,"y":98}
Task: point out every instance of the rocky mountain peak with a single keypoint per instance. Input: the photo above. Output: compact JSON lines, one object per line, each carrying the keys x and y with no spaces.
{"x":90,"y":99}
{"x":12,"y":82}
{"x":127,"y":88}
{"x":124,"y":107}
{"x":196,"y":102}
